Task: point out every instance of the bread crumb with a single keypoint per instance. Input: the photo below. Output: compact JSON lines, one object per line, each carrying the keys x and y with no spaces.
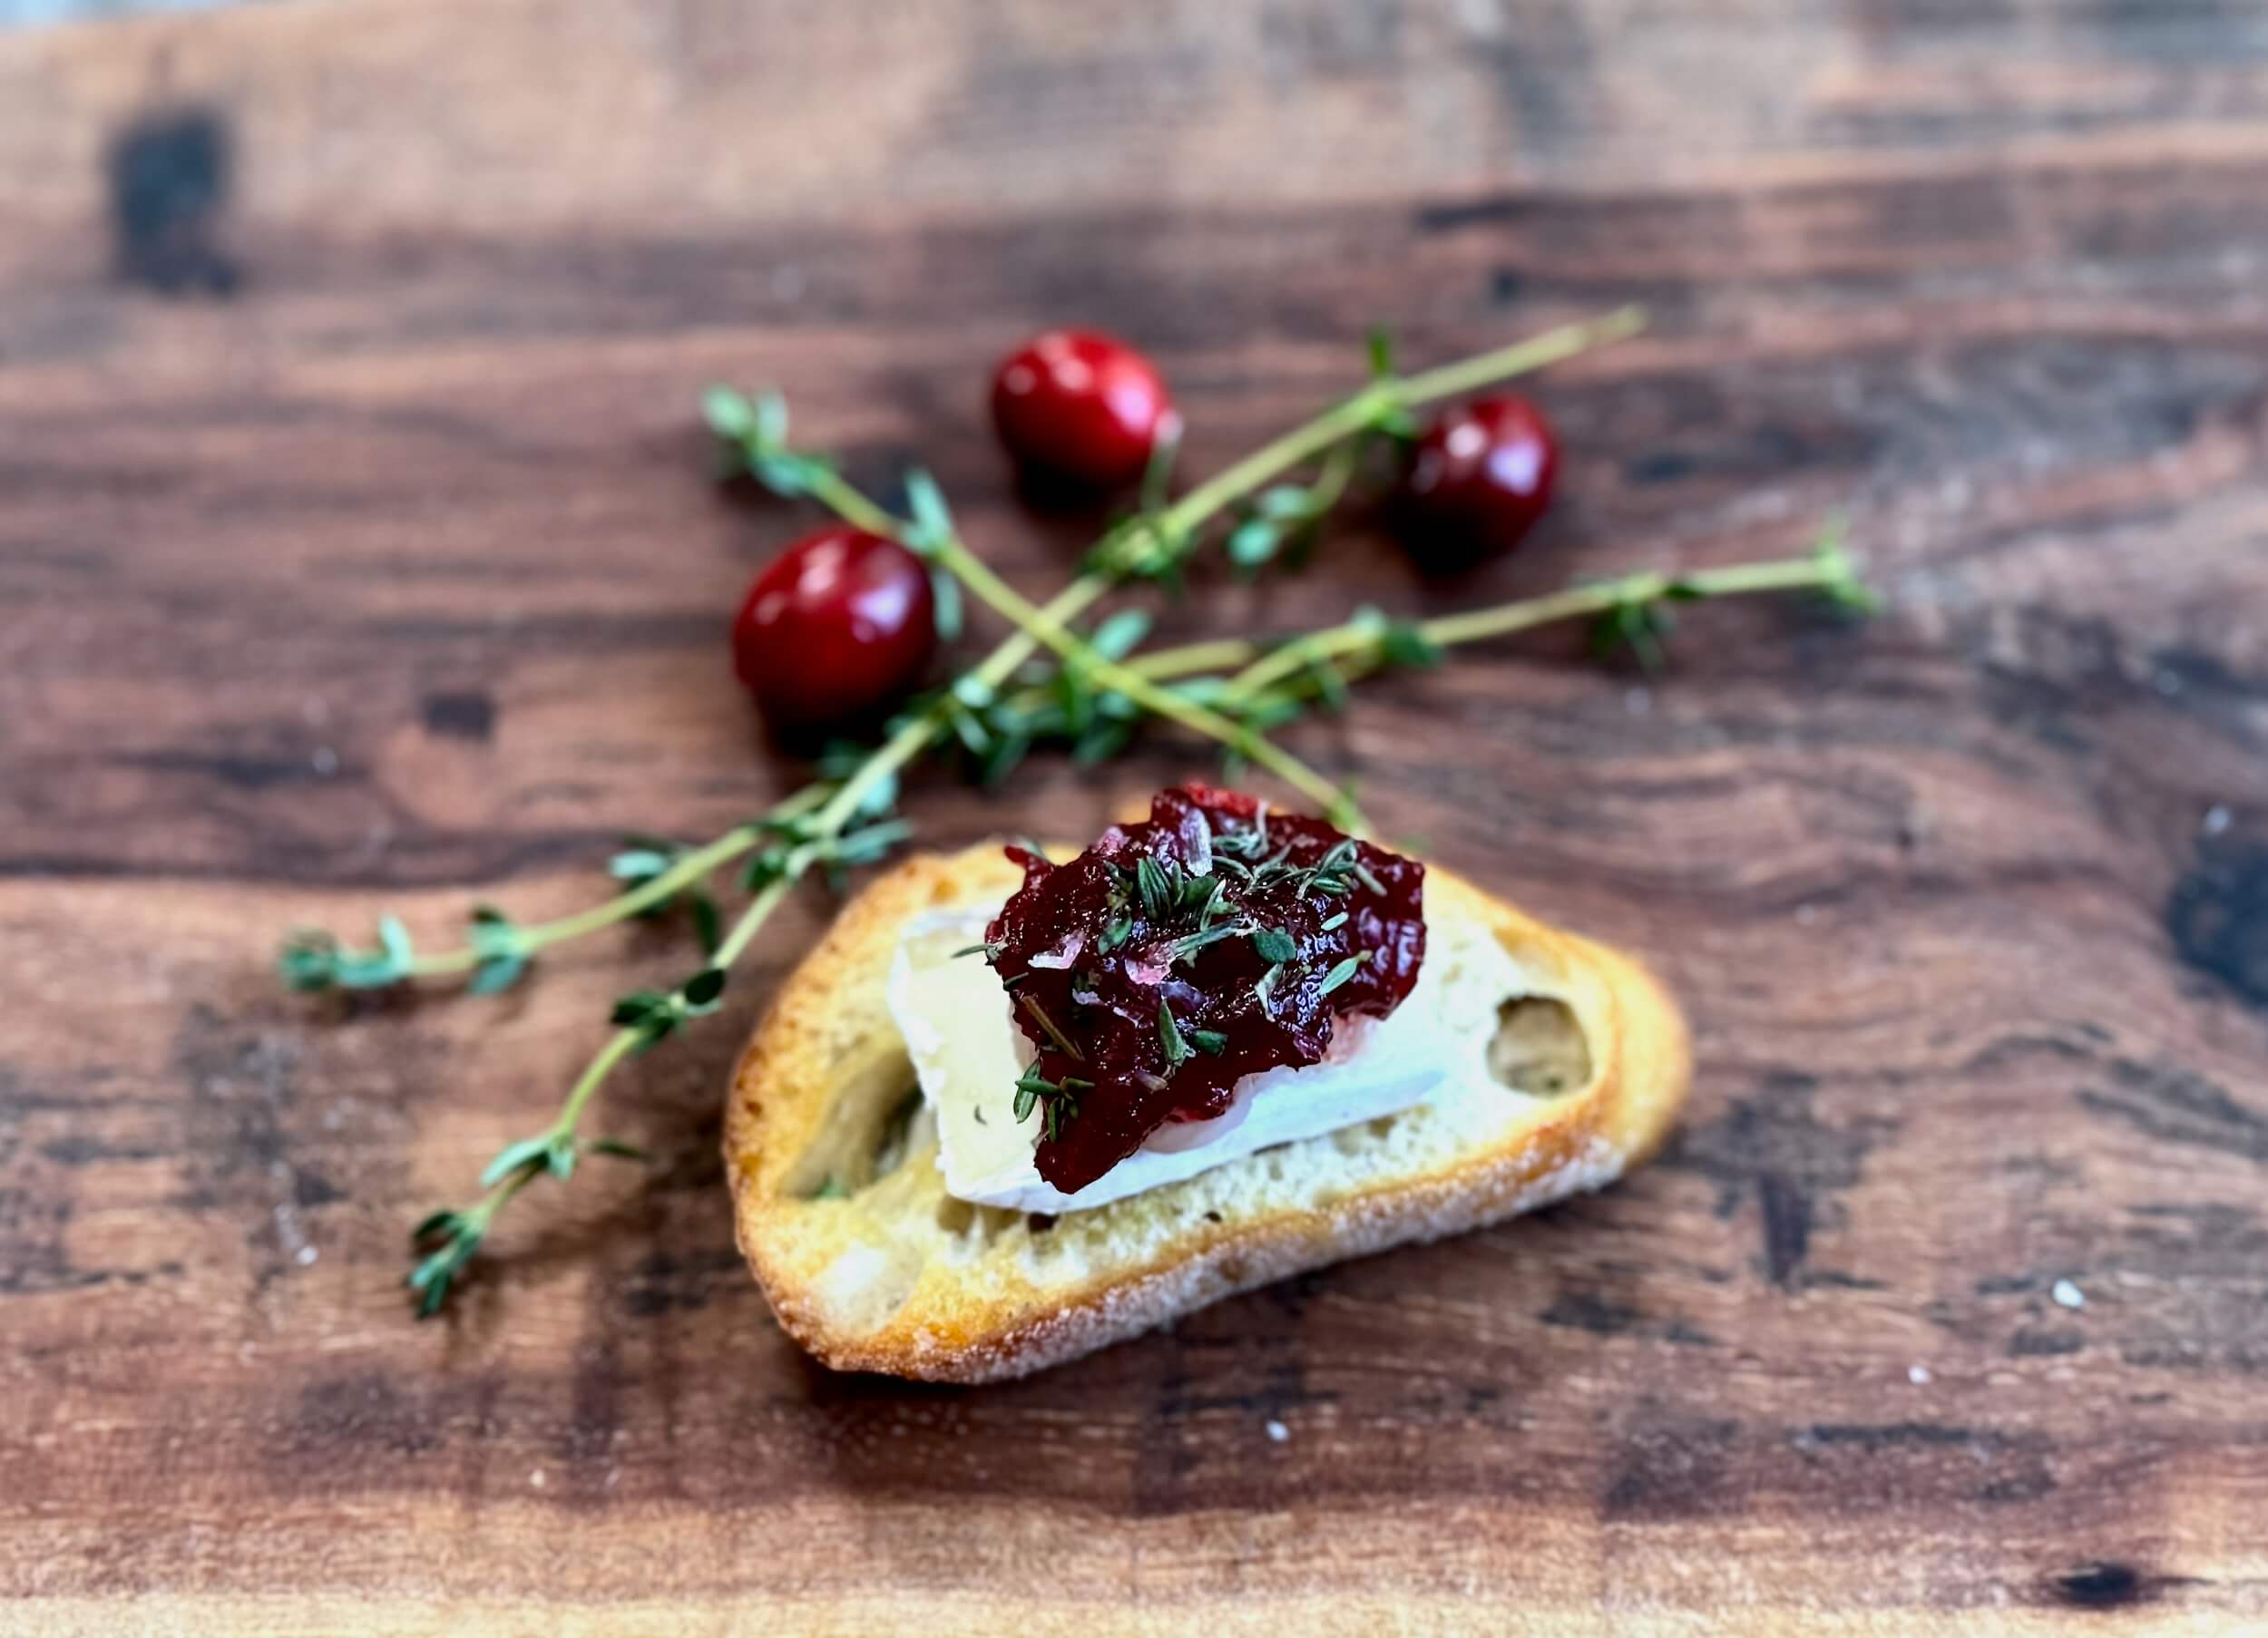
{"x":1919,"y":1375}
{"x":1277,"y":1432}
{"x":2067,"y":1295}
{"x":536,"y":1478}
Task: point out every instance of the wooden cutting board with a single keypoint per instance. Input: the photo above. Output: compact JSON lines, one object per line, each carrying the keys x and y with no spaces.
{"x":358,"y":554}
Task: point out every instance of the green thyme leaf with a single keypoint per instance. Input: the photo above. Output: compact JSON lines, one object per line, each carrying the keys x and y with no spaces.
{"x":503,"y":956}
{"x":1101,"y":743}
{"x":1253,"y":543}
{"x":619,"y":1149}
{"x":1284,"y":504}
{"x":703,"y":988}
{"x":638,"y":865}
{"x":1158,"y":472}
{"x":707,"y":924}
{"x":496,"y":974}
{"x":771,"y":419}
{"x":729,"y":414}
{"x":1061,"y":1099}
{"x":513,"y":1157}
{"x":1380,"y":343}
{"x":1158,"y":889}
{"x":1122,"y":634}
{"x":944,"y":602}
{"x":1184,"y":948}
{"x":1404,"y":643}
{"x":1344,"y":970}
{"x":1336,"y":923}
{"x":393,"y":939}
{"x":647,"y":1010}
{"x":1114,"y":935}
{"x":1169,"y":1037}
{"x":932,"y":520}
{"x":1273,"y":945}
{"x":430,"y":1279}
{"x":1211,"y":1042}
{"x":1008,"y":750}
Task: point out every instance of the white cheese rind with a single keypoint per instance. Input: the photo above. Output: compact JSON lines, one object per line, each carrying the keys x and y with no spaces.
{"x":967,"y":1053}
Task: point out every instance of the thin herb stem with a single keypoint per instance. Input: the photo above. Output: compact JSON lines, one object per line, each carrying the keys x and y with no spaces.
{"x":510,"y":1183}
{"x":1485,"y":369}
{"x":690,"y":868}
{"x":751,"y":921}
{"x":1780,"y":574}
{"x":619,"y":1045}
{"x":1267,"y":665}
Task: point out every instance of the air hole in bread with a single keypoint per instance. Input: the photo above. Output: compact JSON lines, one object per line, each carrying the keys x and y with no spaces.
{"x":979,"y":1226}
{"x":1539,"y":1048}
{"x":875,"y":1124}
{"x":892,"y":1143}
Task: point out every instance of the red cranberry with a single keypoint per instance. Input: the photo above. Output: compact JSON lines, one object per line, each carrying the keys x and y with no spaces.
{"x":1479,"y":479}
{"x":1081,"y":406}
{"x":838,"y":626}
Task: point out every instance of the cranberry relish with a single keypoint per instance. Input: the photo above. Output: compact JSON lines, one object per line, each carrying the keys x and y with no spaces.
{"x":1174,"y":958}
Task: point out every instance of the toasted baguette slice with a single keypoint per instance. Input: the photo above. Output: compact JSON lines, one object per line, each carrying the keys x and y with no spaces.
{"x":843,"y":1214}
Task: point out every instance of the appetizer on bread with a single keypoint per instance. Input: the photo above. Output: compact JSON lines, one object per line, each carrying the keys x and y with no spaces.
{"x":1010,"y":1110}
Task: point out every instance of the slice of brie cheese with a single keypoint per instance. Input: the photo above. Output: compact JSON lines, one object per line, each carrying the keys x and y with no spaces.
{"x":968,"y":1054}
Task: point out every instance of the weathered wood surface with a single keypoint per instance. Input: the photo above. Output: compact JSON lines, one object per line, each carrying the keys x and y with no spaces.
{"x":356,"y":553}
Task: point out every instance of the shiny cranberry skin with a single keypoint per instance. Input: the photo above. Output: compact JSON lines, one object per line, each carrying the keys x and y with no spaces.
{"x":1081,"y":406}
{"x":1478,"y":480}
{"x":840,"y":625}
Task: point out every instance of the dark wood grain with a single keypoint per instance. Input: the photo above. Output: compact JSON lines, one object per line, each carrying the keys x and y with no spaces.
{"x":356,"y":553}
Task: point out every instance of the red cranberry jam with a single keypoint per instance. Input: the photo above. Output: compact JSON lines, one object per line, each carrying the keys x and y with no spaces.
{"x":1174,"y":958}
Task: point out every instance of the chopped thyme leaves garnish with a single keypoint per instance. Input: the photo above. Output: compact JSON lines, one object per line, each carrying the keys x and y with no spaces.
{"x":1184,"y":948}
{"x":1169,"y":1036}
{"x":1039,"y":1015}
{"x":1159,"y":891}
{"x":1060,"y":1099}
